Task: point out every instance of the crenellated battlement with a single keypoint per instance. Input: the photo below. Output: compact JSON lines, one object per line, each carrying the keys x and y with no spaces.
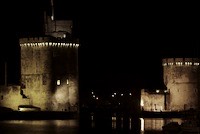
{"x":181,"y":62}
{"x":46,"y":42}
{"x":34,"y":40}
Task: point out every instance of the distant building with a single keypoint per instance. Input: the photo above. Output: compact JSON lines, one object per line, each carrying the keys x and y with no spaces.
{"x":181,"y":77}
{"x":49,"y":70}
{"x":153,"y":100}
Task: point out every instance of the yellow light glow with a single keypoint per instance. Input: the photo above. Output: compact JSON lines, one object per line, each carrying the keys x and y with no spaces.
{"x":142,"y":124}
{"x":49,"y":44}
{"x":58,"y":82}
{"x":142,"y":102}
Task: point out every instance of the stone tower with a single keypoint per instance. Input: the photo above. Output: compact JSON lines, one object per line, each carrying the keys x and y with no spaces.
{"x":49,"y":67}
{"x":181,"y":77}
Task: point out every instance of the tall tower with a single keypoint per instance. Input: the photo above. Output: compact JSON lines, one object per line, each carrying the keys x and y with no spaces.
{"x":49,"y":67}
{"x":181,"y":77}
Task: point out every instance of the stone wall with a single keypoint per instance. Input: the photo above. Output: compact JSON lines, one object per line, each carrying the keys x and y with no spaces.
{"x":181,"y":77}
{"x":11,"y":97}
{"x":152,"y":101}
{"x":43,"y":63}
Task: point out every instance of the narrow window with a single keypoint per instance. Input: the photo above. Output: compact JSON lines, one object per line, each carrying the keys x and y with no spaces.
{"x":58,"y":82}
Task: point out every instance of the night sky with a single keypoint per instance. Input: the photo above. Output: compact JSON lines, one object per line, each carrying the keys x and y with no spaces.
{"x":121,"y":44}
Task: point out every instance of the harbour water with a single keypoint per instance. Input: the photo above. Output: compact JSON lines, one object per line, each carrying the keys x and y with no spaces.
{"x":75,"y":126}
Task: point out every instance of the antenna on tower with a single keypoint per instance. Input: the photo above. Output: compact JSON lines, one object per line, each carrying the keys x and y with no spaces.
{"x":52,"y":9}
{"x":5,"y":77}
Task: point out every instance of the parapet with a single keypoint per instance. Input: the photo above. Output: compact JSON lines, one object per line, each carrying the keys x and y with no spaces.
{"x":47,"y":42}
{"x":34,"y":40}
{"x":180,"y":61}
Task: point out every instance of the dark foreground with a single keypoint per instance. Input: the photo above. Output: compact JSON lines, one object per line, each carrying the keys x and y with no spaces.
{"x":99,"y":121}
{"x":103,"y":113}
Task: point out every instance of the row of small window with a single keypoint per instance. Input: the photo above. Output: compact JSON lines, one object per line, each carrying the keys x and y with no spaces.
{"x":42,"y":44}
{"x":59,"y":82}
{"x":182,"y":63}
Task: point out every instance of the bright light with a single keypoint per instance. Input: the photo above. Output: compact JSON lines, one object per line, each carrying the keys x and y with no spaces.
{"x":52,"y":18}
{"x":157,"y":91}
{"x":113,"y":95}
{"x":58,"y":82}
{"x":49,"y":44}
{"x":142,"y":103}
{"x":122,"y":94}
{"x":142,"y":124}
{"x":130,"y":94}
{"x":64,"y":35}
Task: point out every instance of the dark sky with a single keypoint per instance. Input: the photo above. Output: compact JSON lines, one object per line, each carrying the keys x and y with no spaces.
{"x":121,"y":44}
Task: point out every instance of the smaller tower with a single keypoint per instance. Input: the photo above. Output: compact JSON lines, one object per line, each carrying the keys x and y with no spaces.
{"x":181,"y":77}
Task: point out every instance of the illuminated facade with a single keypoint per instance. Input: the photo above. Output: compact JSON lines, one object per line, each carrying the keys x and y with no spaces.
{"x":49,"y":70}
{"x":181,"y":78}
{"x":153,"y":100}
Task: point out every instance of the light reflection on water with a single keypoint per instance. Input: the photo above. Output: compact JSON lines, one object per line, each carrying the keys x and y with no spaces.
{"x":148,"y":124}
{"x":156,"y":124}
{"x":72,"y":126}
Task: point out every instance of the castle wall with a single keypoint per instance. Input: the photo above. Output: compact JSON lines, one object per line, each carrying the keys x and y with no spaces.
{"x":57,"y":28}
{"x":43,"y":63}
{"x":11,"y":97}
{"x":49,"y":70}
{"x":181,"y":79}
{"x":36,"y":75}
{"x":152,"y":101}
{"x":65,"y":66}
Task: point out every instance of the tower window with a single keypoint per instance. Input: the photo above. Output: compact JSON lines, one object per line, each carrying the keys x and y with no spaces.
{"x":58,"y":82}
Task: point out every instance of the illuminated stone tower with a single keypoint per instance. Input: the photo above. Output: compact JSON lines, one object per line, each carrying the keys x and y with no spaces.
{"x":49,"y":67}
{"x":181,"y":77}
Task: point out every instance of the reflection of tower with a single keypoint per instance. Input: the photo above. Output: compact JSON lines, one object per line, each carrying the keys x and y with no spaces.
{"x":181,"y":79}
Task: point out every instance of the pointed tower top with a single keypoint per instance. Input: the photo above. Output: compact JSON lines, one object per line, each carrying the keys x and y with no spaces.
{"x":52,"y":9}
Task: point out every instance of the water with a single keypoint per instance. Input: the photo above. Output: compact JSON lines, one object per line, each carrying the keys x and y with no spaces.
{"x":74,"y":126}
{"x":39,"y":127}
